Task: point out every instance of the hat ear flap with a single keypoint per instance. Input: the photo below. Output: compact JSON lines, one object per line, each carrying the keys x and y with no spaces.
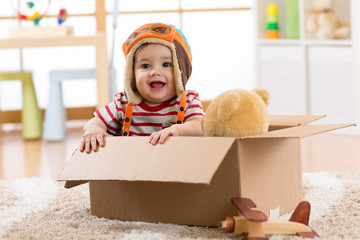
{"x":184,"y":63}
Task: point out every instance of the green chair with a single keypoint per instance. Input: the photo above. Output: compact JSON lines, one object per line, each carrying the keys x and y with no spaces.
{"x":30,"y":115}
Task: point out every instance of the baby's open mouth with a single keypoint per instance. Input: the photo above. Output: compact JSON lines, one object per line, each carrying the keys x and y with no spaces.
{"x":157,"y":84}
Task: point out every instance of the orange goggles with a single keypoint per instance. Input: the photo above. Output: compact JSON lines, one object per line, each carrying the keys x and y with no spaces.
{"x":159,"y":30}
{"x":155,"y":30}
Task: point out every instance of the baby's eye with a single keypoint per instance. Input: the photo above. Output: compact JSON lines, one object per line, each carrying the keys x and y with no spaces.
{"x":167,"y":64}
{"x":145,"y":66}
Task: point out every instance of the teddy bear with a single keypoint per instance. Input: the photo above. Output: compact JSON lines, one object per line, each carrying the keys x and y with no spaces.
{"x":323,"y":23}
{"x":237,"y":113}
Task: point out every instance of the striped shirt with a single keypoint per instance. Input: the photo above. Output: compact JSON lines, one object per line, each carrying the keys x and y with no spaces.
{"x":148,"y":119}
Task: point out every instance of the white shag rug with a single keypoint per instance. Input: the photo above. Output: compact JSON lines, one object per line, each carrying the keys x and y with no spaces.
{"x":43,"y":209}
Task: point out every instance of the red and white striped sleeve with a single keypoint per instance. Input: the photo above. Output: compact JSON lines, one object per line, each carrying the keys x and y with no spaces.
{"x":113,"y":113}
{"x":194,"y":107}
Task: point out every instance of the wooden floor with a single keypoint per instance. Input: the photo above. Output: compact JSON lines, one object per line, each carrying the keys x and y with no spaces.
{"x":38,"y":158}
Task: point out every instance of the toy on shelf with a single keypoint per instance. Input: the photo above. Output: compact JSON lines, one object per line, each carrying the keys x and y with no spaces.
{"x":34,"y":11}
{"x":62,"y":16}
{"x":272,"y":22}
{"x":254,"y":224}
{"x":292,"y":19}
{"x":323,"y":23}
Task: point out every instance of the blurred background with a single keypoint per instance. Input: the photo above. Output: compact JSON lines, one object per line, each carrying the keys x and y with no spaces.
{"x":235,"y":44}
{"x":221,"y":39}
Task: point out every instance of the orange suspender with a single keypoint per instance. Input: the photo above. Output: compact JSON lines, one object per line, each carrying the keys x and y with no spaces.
{"x":129,"y":107}
{"x":182,"y":105}
{"x":127,"y":119}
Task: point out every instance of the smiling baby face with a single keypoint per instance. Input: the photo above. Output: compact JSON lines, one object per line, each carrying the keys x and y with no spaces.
{"x":154,"y":74}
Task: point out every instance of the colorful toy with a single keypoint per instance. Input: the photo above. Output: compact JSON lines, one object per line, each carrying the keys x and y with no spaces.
{"x":30,"y":4}
{"x":292,"y":19}
{"x":62,"y":16}
{"x":323,"y":23}
{"x":32,"y":11}
{"x":237,"y":113}
{"x":254,"y":224}
{"x":272,"y":20}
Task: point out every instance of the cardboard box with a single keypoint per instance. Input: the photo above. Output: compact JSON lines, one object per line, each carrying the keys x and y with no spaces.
{"x":190,"y":180}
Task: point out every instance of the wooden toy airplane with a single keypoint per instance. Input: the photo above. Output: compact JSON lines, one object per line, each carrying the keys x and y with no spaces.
{"x":254,"y":224}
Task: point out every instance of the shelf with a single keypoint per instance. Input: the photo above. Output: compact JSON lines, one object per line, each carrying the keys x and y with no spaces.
{"x":347,"y":43}
{"x":296,"y":42}
{"x":290,"y":18}
{"x":97,"y":39}
{"x":279,"y":42}
{"x":314,"y":76}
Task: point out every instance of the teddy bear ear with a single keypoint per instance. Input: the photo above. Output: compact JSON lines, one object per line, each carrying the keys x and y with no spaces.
{"x":264,"y":94}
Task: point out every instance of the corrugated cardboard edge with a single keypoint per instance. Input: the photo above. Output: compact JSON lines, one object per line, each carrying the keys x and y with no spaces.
{"x":285,"y":121}
{"x":71,"y":184}
{"x":301,"y":131}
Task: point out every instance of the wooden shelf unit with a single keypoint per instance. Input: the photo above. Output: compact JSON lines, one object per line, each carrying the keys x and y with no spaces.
{"x":98,"y":40}
{"x":308,"y":75}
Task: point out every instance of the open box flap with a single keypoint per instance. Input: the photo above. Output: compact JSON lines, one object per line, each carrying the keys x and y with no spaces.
{"x":285,"y":121}
{"x":179,"y":159}
{"x":70,"y":184}
{"x":300,"y":131}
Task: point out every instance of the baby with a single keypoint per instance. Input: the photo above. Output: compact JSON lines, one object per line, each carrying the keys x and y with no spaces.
{"x":155,"y":103}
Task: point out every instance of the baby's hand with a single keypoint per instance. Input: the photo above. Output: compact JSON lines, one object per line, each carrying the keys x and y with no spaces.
{"x":94,"y":132}
{"x":161,"y":136}
{"x":89,"y":142}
